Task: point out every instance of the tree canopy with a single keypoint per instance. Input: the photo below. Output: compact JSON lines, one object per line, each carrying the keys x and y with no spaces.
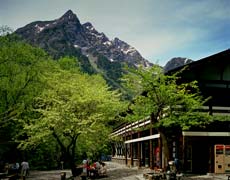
{"x":21,"y":72}
{"x":160,"y":96}
{"x":72,"y":106}
{"x":21,"y":80}
{"x":52,"y":106}
{"x":167,"y":103}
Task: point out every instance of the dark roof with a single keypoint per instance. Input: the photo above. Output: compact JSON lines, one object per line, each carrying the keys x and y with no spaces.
{"x":212,"y":74}
{"x":202,"y":61}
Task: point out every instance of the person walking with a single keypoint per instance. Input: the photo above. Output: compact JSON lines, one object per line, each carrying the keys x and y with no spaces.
{"x":24,"y":169}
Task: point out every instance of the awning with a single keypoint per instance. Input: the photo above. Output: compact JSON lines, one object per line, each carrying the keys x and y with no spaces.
{"x":214,"y":134}
{"x":155,"y":136}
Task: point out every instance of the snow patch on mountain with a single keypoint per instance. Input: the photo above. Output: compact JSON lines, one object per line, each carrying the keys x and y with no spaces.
{"x":85,"y":37}
{"x":39,"y":28}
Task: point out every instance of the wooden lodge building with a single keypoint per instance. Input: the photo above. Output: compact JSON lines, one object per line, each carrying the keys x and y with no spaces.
{"x":198,"y":150}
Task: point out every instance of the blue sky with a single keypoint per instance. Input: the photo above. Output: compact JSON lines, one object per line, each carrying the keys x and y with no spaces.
{"x":158,"y":29}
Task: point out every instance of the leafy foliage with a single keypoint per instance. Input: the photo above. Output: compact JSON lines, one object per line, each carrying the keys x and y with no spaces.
{"x":5,"y":30}
{"x":73,"y":106}
{"x":20,"y":77}
{"x":21,"y":80}
{"x":169,"y":103}
{"x":69,"y":63}
{"x":52,"y":106}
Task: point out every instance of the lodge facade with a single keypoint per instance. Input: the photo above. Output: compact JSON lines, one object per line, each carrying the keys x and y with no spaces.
{"x":198,"y":150}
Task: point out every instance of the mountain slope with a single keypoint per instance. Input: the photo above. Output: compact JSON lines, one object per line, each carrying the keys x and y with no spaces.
{"x":66,"y":36}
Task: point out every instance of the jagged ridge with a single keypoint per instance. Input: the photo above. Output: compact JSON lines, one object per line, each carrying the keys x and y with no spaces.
{"x":81,"y":36}
{"x":67,"y":36}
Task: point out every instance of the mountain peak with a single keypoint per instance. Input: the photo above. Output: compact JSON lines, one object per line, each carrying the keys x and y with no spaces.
{"x":68,"y":13}
{"x":67,"y":32}
{"x":176,"y":62}
{"x":66,"y":36}
{"x":69,"y":16}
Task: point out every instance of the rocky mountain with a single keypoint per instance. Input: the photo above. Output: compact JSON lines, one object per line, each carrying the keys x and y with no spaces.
{"x":67,"y":36}
{"x":176,"y":62}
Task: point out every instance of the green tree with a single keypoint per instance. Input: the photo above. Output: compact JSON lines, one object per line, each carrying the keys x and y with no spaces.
{"x":95,"y":147}
{"x":21,"y":69}
{"x":69,"y":63}
{"x":167,"y":103}
{"x":5,"y":30}
{"x":74,"y":106}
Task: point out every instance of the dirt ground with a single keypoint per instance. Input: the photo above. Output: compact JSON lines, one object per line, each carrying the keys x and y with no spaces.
{"x":116,"y":172}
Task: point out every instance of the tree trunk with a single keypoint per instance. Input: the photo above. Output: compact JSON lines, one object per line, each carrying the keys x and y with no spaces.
{"x":72,"y":157}
{"x":165,"y":149}
{"x":70,"y":162}
{"x":73,"y":167}
{"x":68,"y":152}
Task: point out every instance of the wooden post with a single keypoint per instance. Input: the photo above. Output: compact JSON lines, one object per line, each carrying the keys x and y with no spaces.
{"x":160,"y":151}
{"x":184,"y":155}
{"x":151,"y":163}
{"x":131,"y":151}
{"x":151,"y":154}
{"x":126,"y":158}
{"x":139,"y":151}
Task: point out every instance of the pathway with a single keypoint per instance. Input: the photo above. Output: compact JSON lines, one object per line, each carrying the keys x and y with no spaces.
{"x":116,"y":172}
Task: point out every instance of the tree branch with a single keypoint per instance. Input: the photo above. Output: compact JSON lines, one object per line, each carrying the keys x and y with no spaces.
{"x":59,"y":141}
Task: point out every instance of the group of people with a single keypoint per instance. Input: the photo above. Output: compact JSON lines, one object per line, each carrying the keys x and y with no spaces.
{"x":97,"y":168}
{"x":15,"y":168}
